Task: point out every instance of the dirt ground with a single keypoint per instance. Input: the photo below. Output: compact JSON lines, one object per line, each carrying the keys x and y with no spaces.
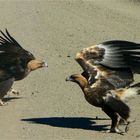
{"x":48,"y":108}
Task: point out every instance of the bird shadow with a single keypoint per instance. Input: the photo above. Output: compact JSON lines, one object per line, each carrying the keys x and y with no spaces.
{"x":7,"y":99}
{"x":70,"y":122}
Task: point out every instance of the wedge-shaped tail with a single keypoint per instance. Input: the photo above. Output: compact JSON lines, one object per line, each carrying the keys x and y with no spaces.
{"x":128,"y":93}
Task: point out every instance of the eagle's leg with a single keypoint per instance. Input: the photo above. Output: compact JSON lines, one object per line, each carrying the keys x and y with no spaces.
{"x":4,"y":88}
{"x":115,"y":120}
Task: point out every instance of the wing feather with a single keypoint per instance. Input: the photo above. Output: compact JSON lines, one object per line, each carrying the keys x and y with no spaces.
{"x":4,"y":39}
{"x":120,"y":54}
{"x":121,"y":57}
{"x":12,"y":39}
{"x":8,"y":44}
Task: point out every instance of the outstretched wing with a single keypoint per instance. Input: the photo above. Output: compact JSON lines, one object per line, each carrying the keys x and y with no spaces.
{"x":120,"y":78}
{"x":11,"y":50}
{"x":120,"y":54}
{"x":118,"y":61}
{"x":114,"y":54}
{"x":8,"y":43}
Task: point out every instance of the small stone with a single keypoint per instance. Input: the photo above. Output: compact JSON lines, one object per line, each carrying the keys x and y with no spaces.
{"x":97,"y":118}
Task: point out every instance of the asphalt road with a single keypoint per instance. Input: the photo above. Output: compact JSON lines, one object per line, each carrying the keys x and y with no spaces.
{"x":48,"y":108}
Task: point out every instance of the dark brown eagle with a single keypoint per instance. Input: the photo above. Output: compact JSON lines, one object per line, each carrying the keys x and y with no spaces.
{"x":15,"y":63}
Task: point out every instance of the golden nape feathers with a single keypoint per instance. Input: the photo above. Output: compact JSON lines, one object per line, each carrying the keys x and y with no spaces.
{"x":15,"y":63}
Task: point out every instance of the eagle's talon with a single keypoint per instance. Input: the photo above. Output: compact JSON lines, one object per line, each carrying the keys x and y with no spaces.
{"x":127,"y":125}
{"x":13,"y":91}
{"x":127,"y":128}
{"x":2,"y":103}
{"x":115,"y":130}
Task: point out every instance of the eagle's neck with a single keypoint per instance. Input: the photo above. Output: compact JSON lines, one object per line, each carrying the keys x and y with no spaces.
{"x":82,"y":82}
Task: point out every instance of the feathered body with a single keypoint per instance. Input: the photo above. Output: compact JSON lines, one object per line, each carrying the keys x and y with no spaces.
{"x":15,"y":63}
{"x":103,"y":94}
{"x":109,"y":69}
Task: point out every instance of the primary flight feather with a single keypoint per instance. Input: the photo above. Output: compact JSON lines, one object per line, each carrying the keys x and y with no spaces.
{"x":116,"y":60}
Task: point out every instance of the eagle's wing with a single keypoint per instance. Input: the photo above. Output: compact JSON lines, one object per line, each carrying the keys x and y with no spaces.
{"x":120,"y":78}
{"x":119,"y":54}
{"x":118,"y":58}
{"x":8,"y":43}
{"x":9,"y":47}
{"x":4,"y":75}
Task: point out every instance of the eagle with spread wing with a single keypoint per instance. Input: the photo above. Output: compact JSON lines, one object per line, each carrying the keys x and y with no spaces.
{"x":102,"y":94}
{"x":109,"y":69}
{"x":15,"y":63}
{"x":115,"y":60}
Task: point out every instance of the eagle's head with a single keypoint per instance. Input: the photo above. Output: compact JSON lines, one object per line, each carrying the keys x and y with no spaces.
{"x":79,"y":79}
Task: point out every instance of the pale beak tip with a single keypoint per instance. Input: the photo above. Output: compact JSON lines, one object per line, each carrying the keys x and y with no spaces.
{"x":45,"y":64}
{"x":68,"y":79}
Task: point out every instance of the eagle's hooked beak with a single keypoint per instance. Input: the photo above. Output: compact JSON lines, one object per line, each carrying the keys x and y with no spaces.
{"x":45,"y":64}
{"x":35,"y":64}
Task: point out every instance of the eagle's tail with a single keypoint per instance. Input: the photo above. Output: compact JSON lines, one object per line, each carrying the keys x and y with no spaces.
{"x":128,"y":93}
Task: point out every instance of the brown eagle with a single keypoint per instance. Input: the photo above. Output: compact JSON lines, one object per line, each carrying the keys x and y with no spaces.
{"x":103,"y":94}
{"x":108,"y":74}
{"x":15,"y":63}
